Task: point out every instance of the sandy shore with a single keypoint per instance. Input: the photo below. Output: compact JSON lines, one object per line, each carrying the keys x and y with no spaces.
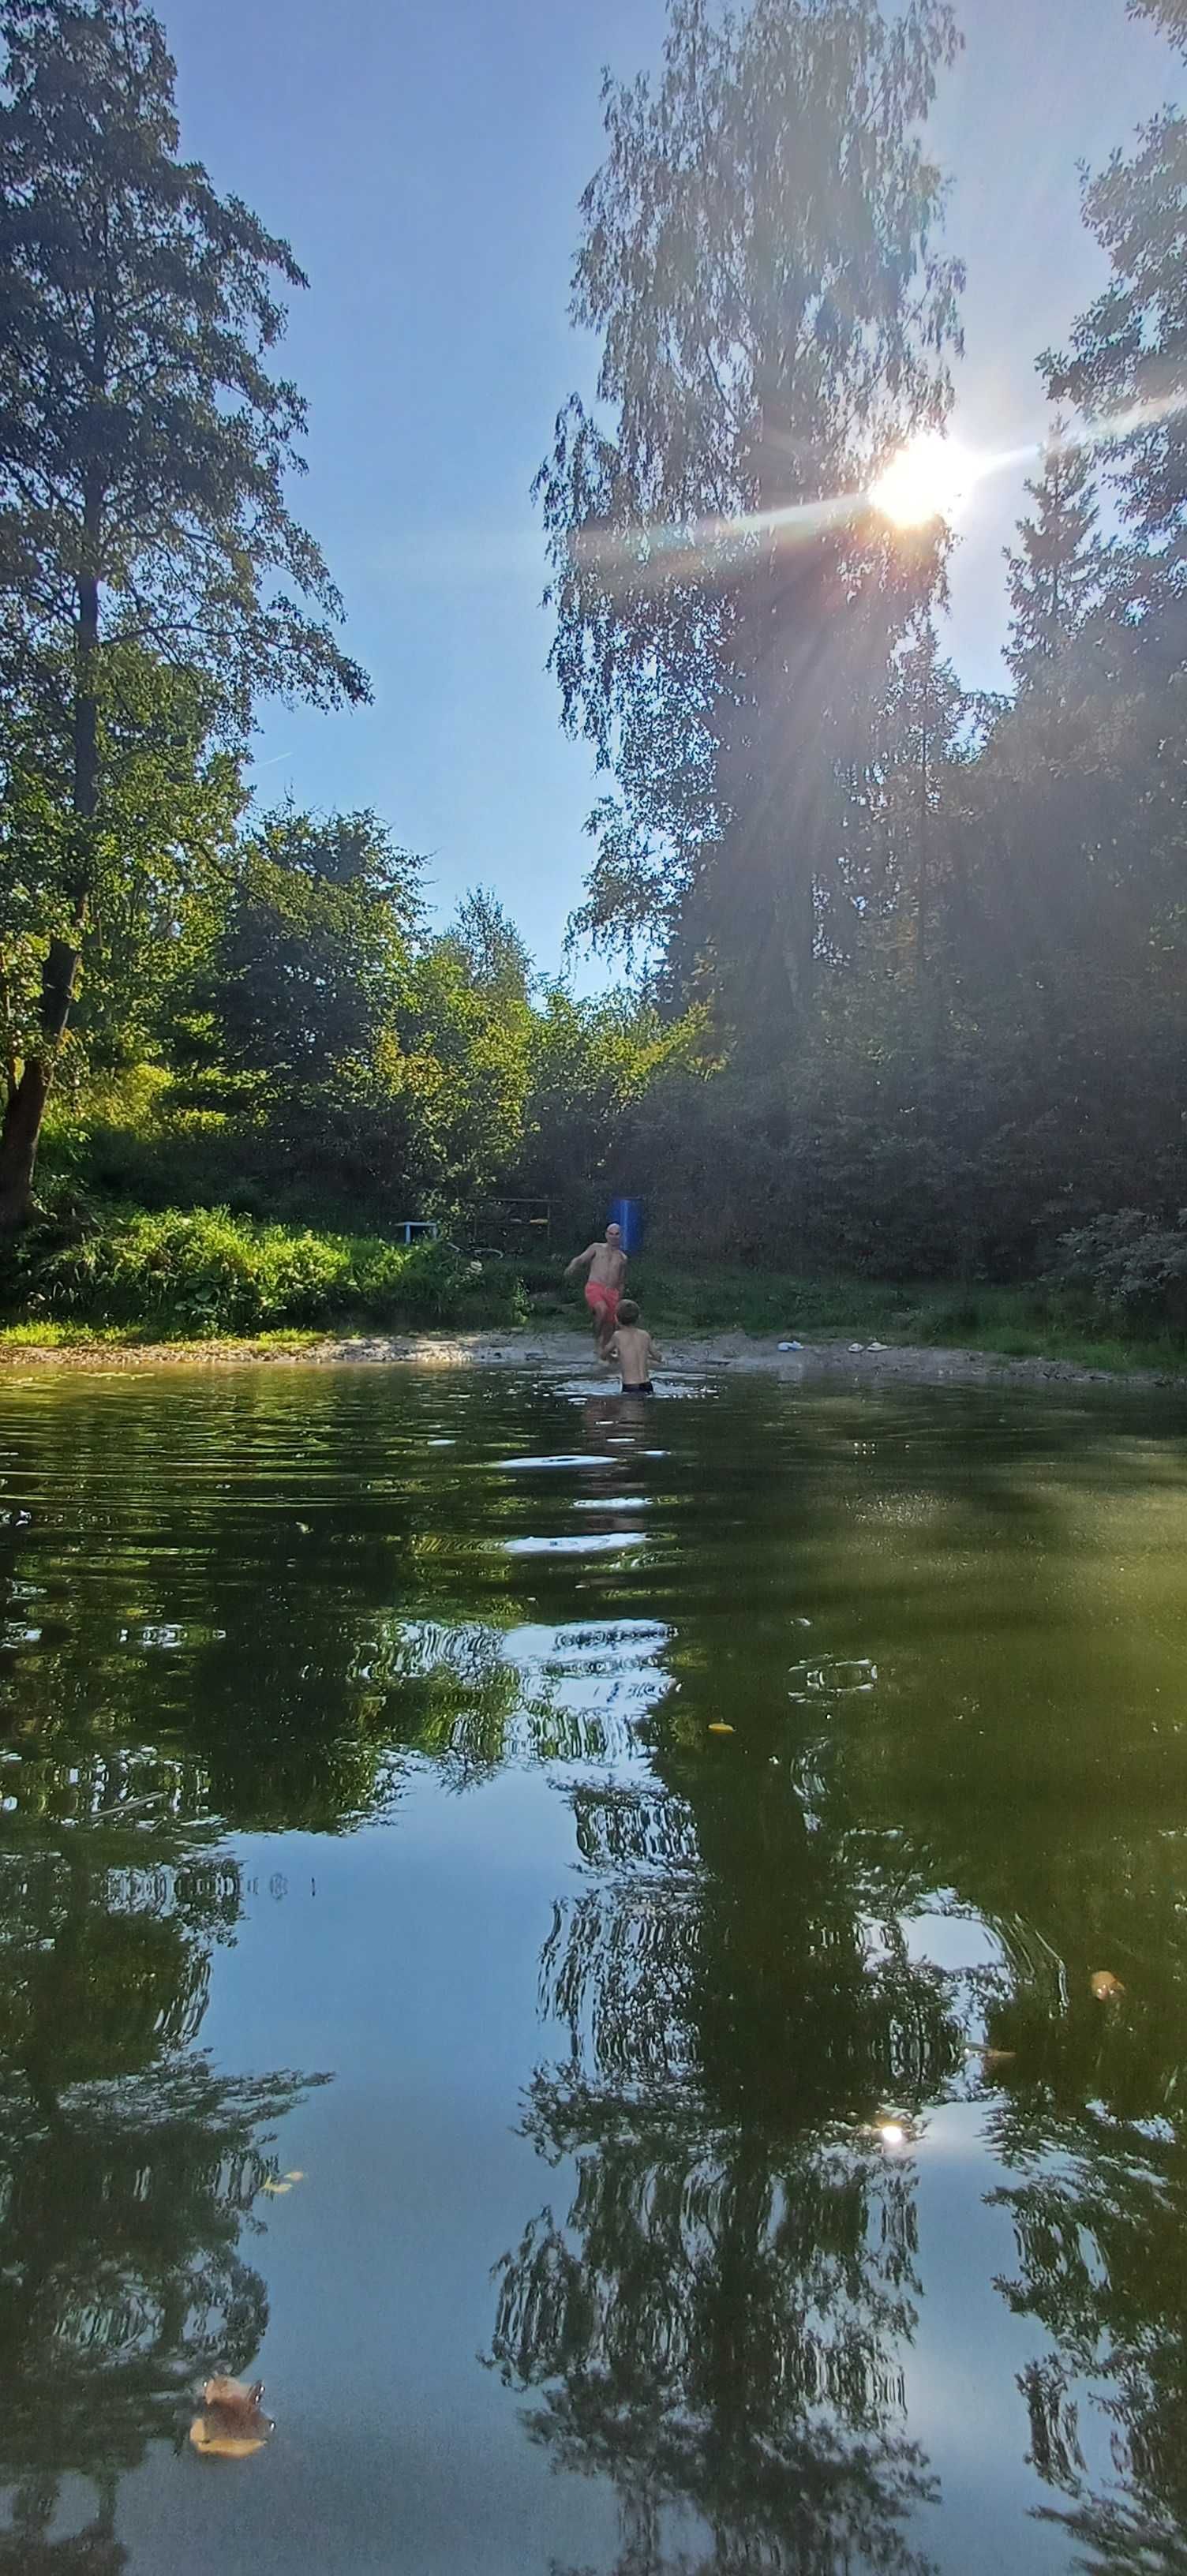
{"x":566,"y":1352}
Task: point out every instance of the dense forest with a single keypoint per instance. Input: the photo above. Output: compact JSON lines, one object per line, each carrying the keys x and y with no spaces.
{"x":900,"y":966}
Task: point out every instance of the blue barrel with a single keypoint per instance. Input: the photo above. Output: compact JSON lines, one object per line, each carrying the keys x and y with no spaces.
{"x":628,"y":1213}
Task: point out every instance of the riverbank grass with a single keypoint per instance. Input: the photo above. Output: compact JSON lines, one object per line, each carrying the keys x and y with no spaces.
{"x":1022,"y":1321}
{"x":205,"y":1275}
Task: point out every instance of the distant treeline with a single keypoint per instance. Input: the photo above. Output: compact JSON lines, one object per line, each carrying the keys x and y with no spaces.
{"x":903,"y":966}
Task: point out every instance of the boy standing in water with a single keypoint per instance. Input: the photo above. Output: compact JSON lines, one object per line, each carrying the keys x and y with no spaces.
{"x":634,"y":1350}
{"x":603,"y":1288}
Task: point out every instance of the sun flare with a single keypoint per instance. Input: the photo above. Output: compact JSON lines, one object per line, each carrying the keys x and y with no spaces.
{"x":927,"y":480}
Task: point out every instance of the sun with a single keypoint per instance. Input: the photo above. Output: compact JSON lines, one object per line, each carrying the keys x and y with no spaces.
{"x":927,"y":480}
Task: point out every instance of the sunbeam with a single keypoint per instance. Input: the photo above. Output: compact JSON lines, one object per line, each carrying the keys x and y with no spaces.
{"x":931,"y":479}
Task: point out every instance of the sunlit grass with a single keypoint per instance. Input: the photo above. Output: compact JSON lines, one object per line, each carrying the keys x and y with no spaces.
{"x":44,"y":1335}
{"x":1019,"y":1322}
{"x":1014,"y":1322}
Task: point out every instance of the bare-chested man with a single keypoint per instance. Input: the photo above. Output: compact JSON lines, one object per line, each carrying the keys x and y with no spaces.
{"x":603,"y":1288}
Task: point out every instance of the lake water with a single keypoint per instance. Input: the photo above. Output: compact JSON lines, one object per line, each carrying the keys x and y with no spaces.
{"x":619,"y":2145}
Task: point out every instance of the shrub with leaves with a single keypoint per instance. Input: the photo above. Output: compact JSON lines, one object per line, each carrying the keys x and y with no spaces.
{"x":206,"y":1271}
{"x":1129,"y":1264}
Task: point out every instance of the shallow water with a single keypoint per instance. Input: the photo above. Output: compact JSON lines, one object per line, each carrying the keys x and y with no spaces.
{"x":656,"y":2206}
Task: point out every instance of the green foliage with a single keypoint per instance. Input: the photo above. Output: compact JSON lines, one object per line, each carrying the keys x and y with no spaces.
{"x":142,"y":1279}
{"x":167,"y":802}
{"x":905,"y":1144}
{"x":488,"y":946}
{"x":915,"y":960}
{"x":1058,"y":573}
{"x":466,"y":1044}
{"x":209,"y":1272}
{"x":941,"y":941}
{"x":685,"y":1296}
{"x":594,"y":1066}
{"x":758,"y":262}
{"x":1170,"y":15}
{"x":310,"y":957}
{"x":1130,"y":1266}
{"x":1028,"y":1320}
{"x":154,"y":580}
{"x":1126,"y":368}
{"x":143,"y":442}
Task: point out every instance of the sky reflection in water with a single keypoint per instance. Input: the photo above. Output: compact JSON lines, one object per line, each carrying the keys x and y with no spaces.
{"x":712,"y":2152}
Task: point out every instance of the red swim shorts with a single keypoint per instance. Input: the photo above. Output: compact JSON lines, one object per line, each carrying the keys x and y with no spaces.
{"x":598,"y":1297}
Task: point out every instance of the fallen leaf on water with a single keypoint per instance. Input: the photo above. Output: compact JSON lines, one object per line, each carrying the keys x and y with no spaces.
{"x":998,"y":2056}
{"x":277,"y":2187}
{"x":295,"y":2176}
{"x":208,"y":2438}
{"x":717,"y":1726}
{"x":234,"y":2424}
{"x":1104,"y":1984}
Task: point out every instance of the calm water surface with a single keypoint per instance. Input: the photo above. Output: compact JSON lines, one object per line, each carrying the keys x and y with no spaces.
{"x":711,"y":2154}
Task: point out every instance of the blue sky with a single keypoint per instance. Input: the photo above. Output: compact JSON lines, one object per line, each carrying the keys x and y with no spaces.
{"x":426,"y":163}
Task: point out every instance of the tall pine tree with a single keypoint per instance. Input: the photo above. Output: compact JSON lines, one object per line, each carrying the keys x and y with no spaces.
{"x":144,"y":447}
{"x":1126,"y":370}
{"x":1056,"y":575}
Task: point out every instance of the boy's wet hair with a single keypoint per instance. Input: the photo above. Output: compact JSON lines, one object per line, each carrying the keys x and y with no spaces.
{"x":628,"y":1312}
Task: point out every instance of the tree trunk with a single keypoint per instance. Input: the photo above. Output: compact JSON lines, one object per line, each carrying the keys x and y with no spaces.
{"x":789,"y":615}
{"x":924,"y":837}
{"x":21,"y":1130}
{"x":18,"y":1142}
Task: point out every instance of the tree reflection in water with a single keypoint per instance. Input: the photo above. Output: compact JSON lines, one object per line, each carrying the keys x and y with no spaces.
{"x":128,"y":2171}
{"x":717,"y":2319}
{"x":713,"y":2327}
{"x":27,"y":2551}
{"x":1102,"y":2267}
{"x":268,"y":1604}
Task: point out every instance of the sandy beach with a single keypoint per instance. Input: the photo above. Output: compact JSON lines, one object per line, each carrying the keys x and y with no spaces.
{"x":565,"y":1352}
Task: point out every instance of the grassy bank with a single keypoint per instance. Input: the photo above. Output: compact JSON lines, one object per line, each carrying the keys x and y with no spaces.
{"x":1025,"y":1321}
{"x":203,"y":1275}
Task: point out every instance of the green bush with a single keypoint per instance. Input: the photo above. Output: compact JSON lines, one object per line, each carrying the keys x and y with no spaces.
{"x":205,"y":1271}
{"x":1130,"y":1264}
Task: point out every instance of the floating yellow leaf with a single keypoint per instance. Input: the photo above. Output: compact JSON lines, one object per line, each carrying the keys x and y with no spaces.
{"x":234,"y":2424}
{"x":296,"y":2175}
{"x":717,"y":1726}
{"x":1104,"y":1984}
{"x":208,"y":2437}
{"x":277,"y":2187}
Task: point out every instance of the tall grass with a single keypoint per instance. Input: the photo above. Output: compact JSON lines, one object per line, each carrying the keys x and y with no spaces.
{"x":1028,"y":1320}
{"x":204,"y":1271}
{"x":184,"y":1274}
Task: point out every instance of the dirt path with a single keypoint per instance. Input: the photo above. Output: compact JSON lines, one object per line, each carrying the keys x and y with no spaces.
{"x":567,"y":1352}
